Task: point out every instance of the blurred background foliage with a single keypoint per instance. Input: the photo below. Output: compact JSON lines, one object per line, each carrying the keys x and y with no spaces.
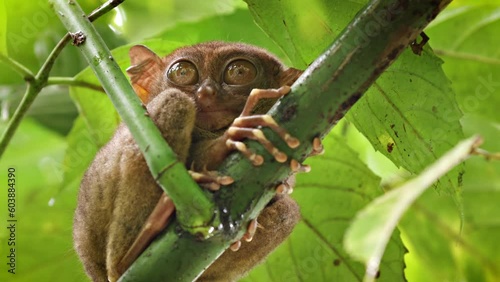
{"x":65,"y":127}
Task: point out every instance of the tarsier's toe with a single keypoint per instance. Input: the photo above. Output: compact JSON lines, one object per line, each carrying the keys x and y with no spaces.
{"x":235,"y":246}
{"x":251,"y":229}
{"x":284,"y":188}
{"x":317,"y":148}
{"x":248,"y":236}
{"x":295,"y":166}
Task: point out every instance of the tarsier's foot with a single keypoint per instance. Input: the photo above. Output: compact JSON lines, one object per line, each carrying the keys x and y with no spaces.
{"x":248,"y":126}
{"x":162,"y":213}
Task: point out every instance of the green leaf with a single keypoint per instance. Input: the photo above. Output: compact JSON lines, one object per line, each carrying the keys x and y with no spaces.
{"x":147,"y":18}
{"x":481,"y":198}
{"x":369,"y":234}
{"x":330,"y":195}
{"x":3,"y":29}
{"x":227,"y":27}
{"x":467,"y":39}
{"x":410,"y":115}
{"x":461,"y":3}
{"x":82,"y":148}
{"x":303,"y":35}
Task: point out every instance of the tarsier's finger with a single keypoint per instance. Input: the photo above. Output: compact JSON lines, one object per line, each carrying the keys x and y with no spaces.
{"x":267,"y":121}
{"x":255,"y":159}
{"x":257,"y":94}
{"x":239,"y":133}
{"x":156,"y":222}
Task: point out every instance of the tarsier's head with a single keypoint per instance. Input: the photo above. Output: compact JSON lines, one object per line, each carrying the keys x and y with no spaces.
{"x":217,"y":75}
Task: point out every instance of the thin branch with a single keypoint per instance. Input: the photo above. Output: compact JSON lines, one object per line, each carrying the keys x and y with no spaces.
{"x":43,"y":74}
{"x":53,"y":80}
{"x":36,"y":83}
{"x":18,"y":67}
{"x":487,"y":155}
{"x":104,"y":8}
{"x":29,"y":95}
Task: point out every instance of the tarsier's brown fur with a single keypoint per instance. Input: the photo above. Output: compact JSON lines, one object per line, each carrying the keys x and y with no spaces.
{"x":118,"y":192}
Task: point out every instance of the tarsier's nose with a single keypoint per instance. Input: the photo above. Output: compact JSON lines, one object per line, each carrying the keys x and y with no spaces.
{"x":205,"y":91}
{"x":206,"y":94}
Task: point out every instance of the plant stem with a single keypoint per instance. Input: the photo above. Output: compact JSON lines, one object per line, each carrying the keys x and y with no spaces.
{"x":162,"y":161}
{"x":73,"y":82}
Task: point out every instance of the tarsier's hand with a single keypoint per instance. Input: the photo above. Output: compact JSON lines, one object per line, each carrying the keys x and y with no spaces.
{"x":248,"y":126}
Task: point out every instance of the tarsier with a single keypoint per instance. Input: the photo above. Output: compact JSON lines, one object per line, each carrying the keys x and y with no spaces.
{"x":199,"y":97}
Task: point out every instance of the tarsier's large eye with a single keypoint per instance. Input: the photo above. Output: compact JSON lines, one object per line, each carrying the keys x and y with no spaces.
{"x":183,"y":73}
{"x":239,"y":72}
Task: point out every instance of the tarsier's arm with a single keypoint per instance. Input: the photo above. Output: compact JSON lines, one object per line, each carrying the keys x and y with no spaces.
{"x":120,"y":171}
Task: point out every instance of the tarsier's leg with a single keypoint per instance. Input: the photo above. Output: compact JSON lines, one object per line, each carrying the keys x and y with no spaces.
{"x":156,"y":222}
{"x":161,"y":215}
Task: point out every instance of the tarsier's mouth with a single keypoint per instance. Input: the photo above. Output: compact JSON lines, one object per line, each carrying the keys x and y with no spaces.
{"x":216,"y":111}
{"x":215,"y":118}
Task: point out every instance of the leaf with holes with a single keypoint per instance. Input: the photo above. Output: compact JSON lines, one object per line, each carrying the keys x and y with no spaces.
{"x":329,"y":196}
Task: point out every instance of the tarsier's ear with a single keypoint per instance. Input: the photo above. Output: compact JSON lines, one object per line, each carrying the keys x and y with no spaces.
{"x":144,"y":70}
{"x":289,"y":76}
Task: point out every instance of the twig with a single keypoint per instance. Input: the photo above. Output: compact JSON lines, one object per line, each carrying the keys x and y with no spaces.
{"x":487,"y":155}
{"x":104,"y":8}
{"x":71,"y":81}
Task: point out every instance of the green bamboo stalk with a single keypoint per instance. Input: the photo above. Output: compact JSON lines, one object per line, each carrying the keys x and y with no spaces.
{"x":338,"y":79}
{"x":162,"y":161}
